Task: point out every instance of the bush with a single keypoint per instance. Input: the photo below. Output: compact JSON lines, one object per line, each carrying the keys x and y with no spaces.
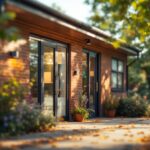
{"x":132,"y":106}
{"x":111,"y":102}
{"x":16,"y":115}
{"x":46,"y":121}
{"x":20,"y":120}
{"x":11,"y":94}
{"x":147,"y":113}
{"x":25,"y":119}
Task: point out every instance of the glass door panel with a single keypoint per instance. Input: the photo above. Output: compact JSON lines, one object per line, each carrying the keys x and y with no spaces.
{"x":89,"y":80}
{"x":60,"y":74}
{"x":48,"y":66}
{"x":84,"y":75}
{"x":48,"y":59}
{"x":92,"y":80}
{"x":34,"y":69}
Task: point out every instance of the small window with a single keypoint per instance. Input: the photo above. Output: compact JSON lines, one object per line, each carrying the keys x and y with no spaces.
{"x":117,"y":75}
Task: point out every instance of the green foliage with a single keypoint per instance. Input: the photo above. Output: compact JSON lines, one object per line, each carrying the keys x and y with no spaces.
{"x":25,"y":119}
{"x":11,"y":94}
{"x":57,"y":7}
{"x":8,"y":33}
{"x":29,"y":118}
{"x":128,"y":19}
{"x":132,"y":106}
{"x":16,"y":114}
{"x":83,"y":100}
{"x":82,"y":106}
{"x":147,"y":113}
{"x":46,"y":121}
{"x":111,"y":102}
{"x":82,"y":111}
{"x":139,"y":80}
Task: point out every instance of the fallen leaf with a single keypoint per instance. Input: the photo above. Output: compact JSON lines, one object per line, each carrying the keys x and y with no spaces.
{"x":141,"y":132}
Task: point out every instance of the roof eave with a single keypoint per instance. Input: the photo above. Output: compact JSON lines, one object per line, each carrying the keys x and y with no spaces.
{"x":46,"y":12}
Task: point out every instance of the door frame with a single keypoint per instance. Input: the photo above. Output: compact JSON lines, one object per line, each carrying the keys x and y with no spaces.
{"x":97,"y":82}
{"x":40,"y":41}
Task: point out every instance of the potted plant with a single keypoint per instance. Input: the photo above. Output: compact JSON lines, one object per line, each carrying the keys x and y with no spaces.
{"x":110,"y":105}
{"x":80,"y":113}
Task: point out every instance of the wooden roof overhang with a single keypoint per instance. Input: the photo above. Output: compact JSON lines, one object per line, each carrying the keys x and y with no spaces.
{"x":34,"y":12}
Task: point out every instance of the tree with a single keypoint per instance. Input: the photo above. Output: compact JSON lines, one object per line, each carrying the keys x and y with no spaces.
{"x":129,"y":21}
{"x":57,"y":7}
{"x":10,"y":38}
{"x":7,"y":33}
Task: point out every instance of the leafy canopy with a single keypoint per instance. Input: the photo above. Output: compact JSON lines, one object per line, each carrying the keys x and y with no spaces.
{"x":128,"y":20}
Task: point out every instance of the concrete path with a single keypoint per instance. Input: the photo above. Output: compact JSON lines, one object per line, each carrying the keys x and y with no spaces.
{"x":104,"y":134}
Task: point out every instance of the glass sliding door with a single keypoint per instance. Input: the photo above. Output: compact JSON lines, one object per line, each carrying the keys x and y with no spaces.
{"x":48,"y":75}
{"x":34,"y":69}
{"x":60,"y":74}
{"x":54,"y":78}
{"x":84,"y":75}
{"x":90,"y":80}
{"x":48,"y":66}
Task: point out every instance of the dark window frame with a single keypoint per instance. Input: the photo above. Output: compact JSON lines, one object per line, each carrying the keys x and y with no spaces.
{"x":97,"y":79}
{"x":118,"y":73}
{"x":40,"y":40}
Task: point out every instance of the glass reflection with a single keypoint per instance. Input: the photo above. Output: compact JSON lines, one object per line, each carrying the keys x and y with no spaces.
{"x":48,"y":78}
{"x":92,"y":82}
{"x":61,"y":81}
{"x":114,"y":65}
{"x":34,"y":68}
{"x":89,"y":79}
{"x":114,"y":80}
{"x":84,"y":74}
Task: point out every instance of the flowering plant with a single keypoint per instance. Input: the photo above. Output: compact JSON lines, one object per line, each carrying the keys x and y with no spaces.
{"x":16,"y":115}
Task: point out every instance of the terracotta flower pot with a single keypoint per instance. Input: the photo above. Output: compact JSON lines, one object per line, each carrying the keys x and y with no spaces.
{"x":78,"y":117}
{"x":110,"y":113}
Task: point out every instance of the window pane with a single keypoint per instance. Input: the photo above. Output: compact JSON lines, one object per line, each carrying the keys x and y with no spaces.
{"x":48,"y":78}
{"x":60,"y":68}
{"x":114,"y":80}
{"x":120,"y":66}
{"x":114,"y":65}
{"x":120,"y":80}
{"x":92,"y":75}
{"x":84,"y":74}
{"x":34,"y":68}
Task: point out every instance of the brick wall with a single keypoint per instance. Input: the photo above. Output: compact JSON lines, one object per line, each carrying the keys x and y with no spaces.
{"x":105,"y":82}
{"x":19,"y":68}
{"x":76,"y":79}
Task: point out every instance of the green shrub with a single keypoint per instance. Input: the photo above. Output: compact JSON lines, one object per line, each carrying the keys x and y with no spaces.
{"x":80,"y":110}
{"x":16,"y":114}
{"x":111,"y":102}
{"x":28,"y":118}
{"x":46,"y":121}
{"x":82,"y":107}
{"x":132,"y":106}
{"x":11,"y":94}
{"x":25,"y":119}
{"x":147,"y":113}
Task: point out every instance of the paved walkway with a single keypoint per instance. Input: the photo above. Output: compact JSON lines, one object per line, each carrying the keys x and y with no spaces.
{"x":104,"y":134}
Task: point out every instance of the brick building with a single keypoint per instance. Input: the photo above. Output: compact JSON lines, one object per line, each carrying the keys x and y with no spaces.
{"x":64,"y":58}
